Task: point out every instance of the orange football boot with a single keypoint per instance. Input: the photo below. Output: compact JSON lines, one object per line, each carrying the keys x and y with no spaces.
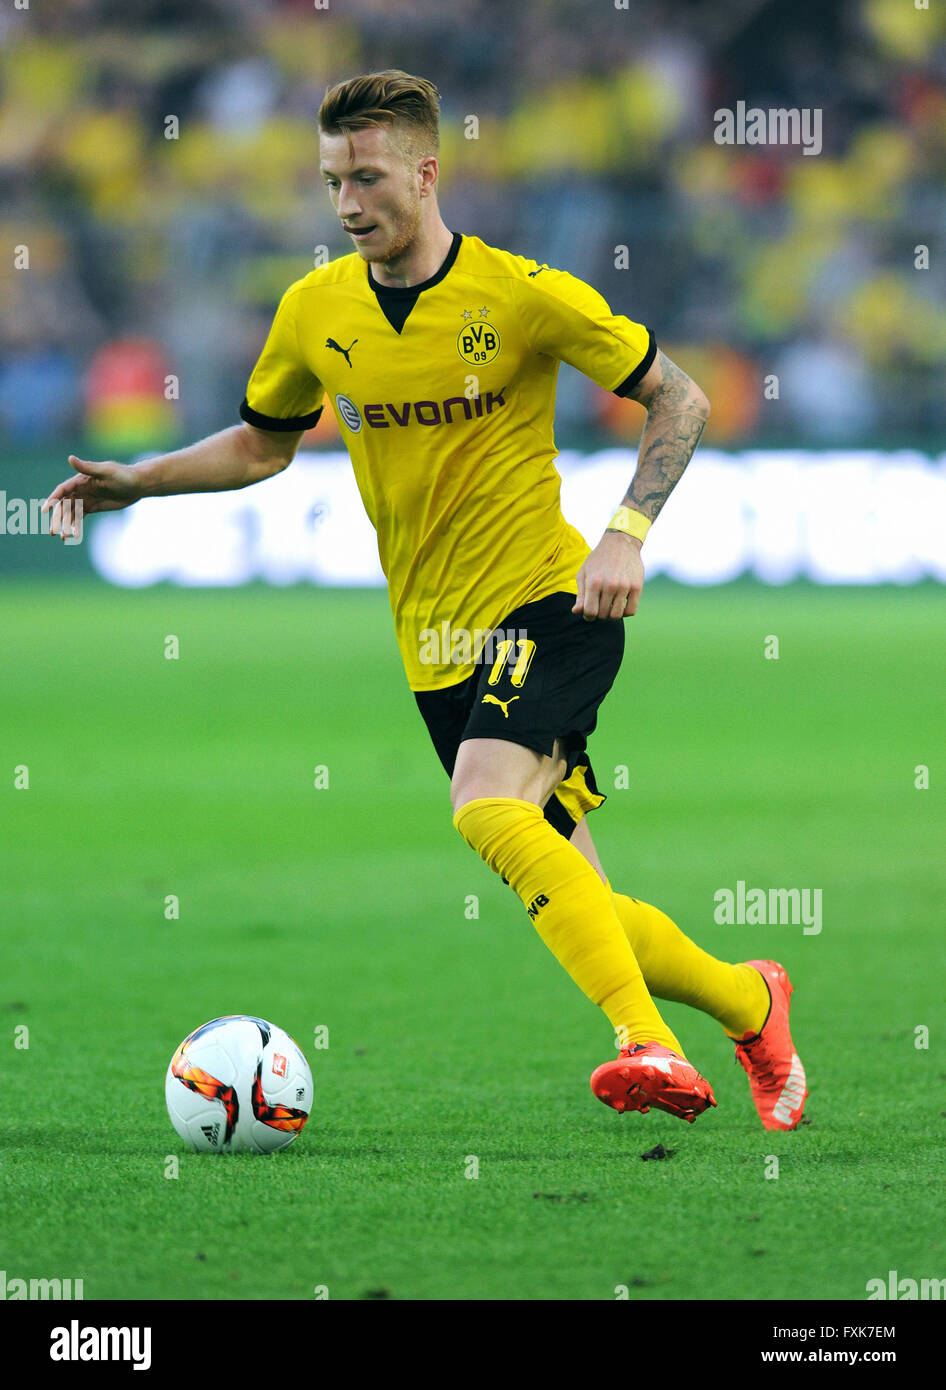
{"x":776,"y":1075}
{"x":646,"y":1074}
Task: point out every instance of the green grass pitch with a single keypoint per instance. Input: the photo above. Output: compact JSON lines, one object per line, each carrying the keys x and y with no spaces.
{"x":450,"y":1037}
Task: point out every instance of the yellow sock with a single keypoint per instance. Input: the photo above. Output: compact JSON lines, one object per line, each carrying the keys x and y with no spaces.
{"x":570,"y":908}
{"x":676,"y":968}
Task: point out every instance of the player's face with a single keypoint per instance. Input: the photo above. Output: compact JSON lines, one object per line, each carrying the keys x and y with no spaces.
{"x":374,"y":191}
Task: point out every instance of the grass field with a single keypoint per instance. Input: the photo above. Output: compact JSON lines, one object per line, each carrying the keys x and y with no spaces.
{"x":452,"y":1037}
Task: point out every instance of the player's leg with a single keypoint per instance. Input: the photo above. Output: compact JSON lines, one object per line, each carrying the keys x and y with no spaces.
{"x":675,"y":968}
{"x":750,"y":999}
{"x":498,"y":791}
{"x":484,"y":769}
{"x":529,"y":709}
{"x":498,"y":767}
{"x":581,"y":839}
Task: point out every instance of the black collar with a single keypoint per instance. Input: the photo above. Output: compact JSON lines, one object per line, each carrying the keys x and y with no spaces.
{"x":412,"y":291}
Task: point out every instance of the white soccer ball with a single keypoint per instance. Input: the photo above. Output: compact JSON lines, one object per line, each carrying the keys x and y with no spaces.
{"x":238,"y":1084}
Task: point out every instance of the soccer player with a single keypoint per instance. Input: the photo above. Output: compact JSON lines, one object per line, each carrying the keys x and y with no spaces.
{"x":440,"y":355}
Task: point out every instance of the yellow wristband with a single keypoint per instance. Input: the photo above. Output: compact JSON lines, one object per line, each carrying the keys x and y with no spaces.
{"x":630,"y":522}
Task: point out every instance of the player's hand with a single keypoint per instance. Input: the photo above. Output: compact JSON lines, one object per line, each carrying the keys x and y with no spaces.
{"x":611,"y":579}
{"x":100,"y":487}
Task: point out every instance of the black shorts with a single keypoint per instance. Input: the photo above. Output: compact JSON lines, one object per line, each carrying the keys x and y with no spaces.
{"x":541,"y":676}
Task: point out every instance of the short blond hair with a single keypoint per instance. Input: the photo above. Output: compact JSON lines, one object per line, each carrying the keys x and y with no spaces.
{"x":409,"y":105}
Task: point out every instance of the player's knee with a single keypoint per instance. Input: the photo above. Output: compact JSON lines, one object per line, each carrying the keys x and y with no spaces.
{"x":531,"y":779}
{"x":473,"y":781}
{"x":465,"y":791}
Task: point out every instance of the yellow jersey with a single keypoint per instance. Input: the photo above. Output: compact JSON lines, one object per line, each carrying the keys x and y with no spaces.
{"x":445,"y":397}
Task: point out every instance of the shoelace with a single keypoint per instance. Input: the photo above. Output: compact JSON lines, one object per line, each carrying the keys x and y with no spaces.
{"x":763,"y":1067}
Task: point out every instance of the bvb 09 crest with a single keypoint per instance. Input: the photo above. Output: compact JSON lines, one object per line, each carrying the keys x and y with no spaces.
{"x":478,"y":343}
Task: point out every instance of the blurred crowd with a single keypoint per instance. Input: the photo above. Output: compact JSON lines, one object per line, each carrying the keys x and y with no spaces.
{"x":159,"y":173}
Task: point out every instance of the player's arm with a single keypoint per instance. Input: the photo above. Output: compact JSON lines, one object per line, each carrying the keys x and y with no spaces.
{"x":283,"y":400}
{"x":611,"y":579}
{"x":677,"y":411}
{"x":233,"y":458}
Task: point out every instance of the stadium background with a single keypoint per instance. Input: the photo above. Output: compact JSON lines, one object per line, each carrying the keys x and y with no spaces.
{"x":151,"y":256}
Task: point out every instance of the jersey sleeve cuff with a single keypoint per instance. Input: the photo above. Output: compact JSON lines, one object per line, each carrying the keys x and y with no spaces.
{"x":269,"y":422}
{"x":641,"y":369}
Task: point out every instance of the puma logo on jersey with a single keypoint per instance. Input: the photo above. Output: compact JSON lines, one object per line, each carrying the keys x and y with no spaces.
{"x":793,"y":1092}
{"x":533,"y":908}
{"x":493,"y":700}
{"x":331,"y":343}
{"x":534,"y":273}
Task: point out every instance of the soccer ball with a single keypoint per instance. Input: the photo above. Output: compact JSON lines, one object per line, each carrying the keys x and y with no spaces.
{"x":238,"y":1084}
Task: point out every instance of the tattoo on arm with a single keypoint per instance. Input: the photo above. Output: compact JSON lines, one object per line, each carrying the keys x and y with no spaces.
{"x":676,"y":416}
